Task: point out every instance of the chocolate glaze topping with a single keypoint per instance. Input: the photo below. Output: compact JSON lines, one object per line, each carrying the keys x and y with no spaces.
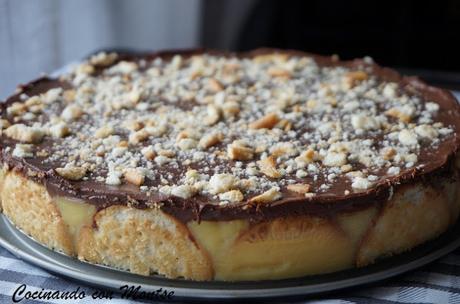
{"x":431,"y":163}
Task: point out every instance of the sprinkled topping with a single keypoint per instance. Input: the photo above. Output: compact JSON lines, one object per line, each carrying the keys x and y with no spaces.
{"x":229,"y":128}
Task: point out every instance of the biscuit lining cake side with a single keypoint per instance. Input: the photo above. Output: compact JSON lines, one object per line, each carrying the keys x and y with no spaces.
{"x":267,"y":238}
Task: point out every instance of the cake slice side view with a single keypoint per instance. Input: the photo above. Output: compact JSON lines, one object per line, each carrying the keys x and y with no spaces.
{"x":208,"y":165}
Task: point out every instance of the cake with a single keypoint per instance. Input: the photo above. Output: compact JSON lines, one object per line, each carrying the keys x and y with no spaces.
{"x":207,"y":165}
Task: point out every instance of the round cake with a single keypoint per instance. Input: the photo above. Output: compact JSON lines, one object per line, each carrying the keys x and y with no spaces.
{"x":210,"y":165}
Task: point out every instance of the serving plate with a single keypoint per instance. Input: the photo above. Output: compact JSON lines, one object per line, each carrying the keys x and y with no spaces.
{"x":30,"y":251}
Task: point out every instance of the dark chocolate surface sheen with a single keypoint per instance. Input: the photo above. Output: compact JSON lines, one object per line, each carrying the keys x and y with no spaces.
{"x":431,"y":164}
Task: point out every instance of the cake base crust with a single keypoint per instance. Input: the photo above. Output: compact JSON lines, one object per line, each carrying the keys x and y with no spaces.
{"x":147,"y":241}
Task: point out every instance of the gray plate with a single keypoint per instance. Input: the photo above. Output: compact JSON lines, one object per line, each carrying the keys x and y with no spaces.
{"x":25,"y":248}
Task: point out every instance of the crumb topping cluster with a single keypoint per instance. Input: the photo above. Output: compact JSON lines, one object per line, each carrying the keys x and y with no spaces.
{"x":229,"y":128}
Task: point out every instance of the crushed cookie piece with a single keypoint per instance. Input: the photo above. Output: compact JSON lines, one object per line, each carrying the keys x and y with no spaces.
{"x":71,"y":172}
{"x":132,"y":125}
{"x":103,"y":59}
{"x":361,"y":121}
{"x":305,"y":157}
{"x":134,"y":176}
{"x":187,"y":144}
{"x":35,"y":104}
{"x":230,"y":109}
{"x":232,"y":196}
{"x":269,"y":58}
{"x":407,"y":137}
{"x":393,"y":170}
{"x":432,"y":106}
{"x":282,"y":148}
{"x":71,"y":112}
{"x":299,"y":188}
{"x":26,"y":134}
{"x":403,"y":113}
{"x":220,"y":183}
{"x":113,"y":178}
{"x":352,"y":78}
{"x":43,"y":153}
{"x":4,"y":124}
{"x":279,"y":72}
{"x":213,"y":115}
{"x":182,"y":134}
{"x":17,"y":108}
{"x":388,"y":153}
{"x":123,"y":144}
{"x":148,"y":152}
{"x":361,"y":183}
{"x":426,"y":132}
{"x":167,"y":153}
{"x":215,"y":85}
{"x":210,"y":140}
{"x":183,"y":191}
{"x":133,"y":97}
{"x":268,"y":167}
{"x":85,"y":68}
{"x":69,"y":95}
{"x":267,"y":197}
{"x":239,"y":151}
{"x":124,"y":67}
{"x":335,"y":159}
{"x":138,"y":136}
{"x":23,"y":150}
{"x":104,"y":131}
{"x":49,"y":97}
{"x":266,"y":122}
{"x":162,"y":160}
{"x":346,"y":168}
{"x":59,"y":130}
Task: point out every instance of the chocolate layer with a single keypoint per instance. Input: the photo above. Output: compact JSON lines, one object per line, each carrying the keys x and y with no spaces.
{"x":431,"y":164}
